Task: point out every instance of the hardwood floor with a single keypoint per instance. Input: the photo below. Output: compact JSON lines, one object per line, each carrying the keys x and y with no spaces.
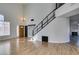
{"x":22,"y":46}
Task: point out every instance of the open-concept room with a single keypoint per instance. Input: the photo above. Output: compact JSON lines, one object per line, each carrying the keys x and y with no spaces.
{"x":39,"y":28}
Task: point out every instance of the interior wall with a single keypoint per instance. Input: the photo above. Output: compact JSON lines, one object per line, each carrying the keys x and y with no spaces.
{"x":37,"y":11}
{"x":57,"y":31}
{"x":12,"y":13}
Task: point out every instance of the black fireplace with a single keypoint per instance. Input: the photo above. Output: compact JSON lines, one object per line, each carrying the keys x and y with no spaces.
{"x":44,"y":38}
{"x":74,"y":34}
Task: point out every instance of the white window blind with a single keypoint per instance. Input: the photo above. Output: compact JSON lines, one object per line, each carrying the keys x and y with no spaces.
{"x":1,"y":28}
{"x":4,"y":27}
{"x":1,"y":18}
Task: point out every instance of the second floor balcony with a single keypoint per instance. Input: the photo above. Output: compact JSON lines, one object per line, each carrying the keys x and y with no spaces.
{"x":68,"y":9}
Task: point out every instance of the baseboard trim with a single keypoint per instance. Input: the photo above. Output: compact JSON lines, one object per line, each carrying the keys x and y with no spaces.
{"x":55,"y":41}
{"x":58,"y":41}
{"x":9,"y":38}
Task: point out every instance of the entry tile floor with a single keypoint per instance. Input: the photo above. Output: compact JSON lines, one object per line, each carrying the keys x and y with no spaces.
{"x":23,"y":46}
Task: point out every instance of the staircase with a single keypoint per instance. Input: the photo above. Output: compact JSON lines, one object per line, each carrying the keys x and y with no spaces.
{"x":50,"y":17}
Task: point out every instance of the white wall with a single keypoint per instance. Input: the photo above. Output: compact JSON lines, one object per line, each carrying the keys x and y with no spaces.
{"x":57,"y":31}
{"x":12,"y":13}
{"x":37,"y":11}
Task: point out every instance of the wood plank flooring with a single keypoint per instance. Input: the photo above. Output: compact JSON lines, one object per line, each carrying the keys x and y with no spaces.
{"x":22,"y":46}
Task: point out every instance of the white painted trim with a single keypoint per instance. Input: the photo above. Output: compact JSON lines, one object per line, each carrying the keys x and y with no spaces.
{"x":9,"y":38}
{"x":58,"y":41}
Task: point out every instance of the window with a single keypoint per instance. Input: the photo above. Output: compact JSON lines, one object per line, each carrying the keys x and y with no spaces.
{"x":4,"y":27}
{"x":1,"y":18}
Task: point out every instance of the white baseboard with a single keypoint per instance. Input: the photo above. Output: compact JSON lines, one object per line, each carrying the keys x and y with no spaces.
{"x":56,"y":41}
{"x":8,"y":38}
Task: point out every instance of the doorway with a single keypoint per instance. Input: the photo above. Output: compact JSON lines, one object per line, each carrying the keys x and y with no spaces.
{"x":21,"y":31}
{"x":26,"y":31}
{"x":74,"y":29}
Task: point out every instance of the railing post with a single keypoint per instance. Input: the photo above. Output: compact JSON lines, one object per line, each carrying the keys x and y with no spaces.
{"x":33,"y":33}
{"x":54,"y":14}
{"x":47,"y":20}
{"x":41,"y":24}
{"x":37,"y":29}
